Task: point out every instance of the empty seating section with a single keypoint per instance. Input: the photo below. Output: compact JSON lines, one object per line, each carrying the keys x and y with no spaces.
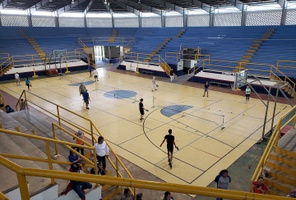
{"x":221,"y":43}
{"x":280,"y":46}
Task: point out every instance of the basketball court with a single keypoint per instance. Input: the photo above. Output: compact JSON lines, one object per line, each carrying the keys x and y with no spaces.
{"x":211,"y":132}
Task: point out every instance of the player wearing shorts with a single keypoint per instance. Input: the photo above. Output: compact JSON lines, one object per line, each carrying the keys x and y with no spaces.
{"x":170,"y":146}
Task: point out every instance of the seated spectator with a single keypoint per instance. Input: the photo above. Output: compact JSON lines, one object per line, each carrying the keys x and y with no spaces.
{"x":73,"y":157}
{"x":292,"y":194}
{"x":22,"y":105}
{"x":259,"y":186}
{"x":127,"y":195}
{"x":8,"y":109}
{"x":77,"y":186}
{"x":168,"y":196}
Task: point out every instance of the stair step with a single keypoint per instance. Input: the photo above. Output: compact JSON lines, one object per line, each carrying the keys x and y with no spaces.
{"x":281,"y":176}
{"x":285,"y":188}
{"x":274,"y":191}
{"x":283,"y":159}
{"x":286,"y":152}
{"x":280,"y":166}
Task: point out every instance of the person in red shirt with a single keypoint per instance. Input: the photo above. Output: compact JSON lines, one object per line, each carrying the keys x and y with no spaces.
{"x":79,"y":141}
{"x":259,"y":186}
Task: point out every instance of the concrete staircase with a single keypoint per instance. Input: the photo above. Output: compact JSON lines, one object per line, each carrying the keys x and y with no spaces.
{"x":29,"y":147}
{"x":34,"y":122}
{"x":281,"y":166}
{"x":113,"y":36}
{"x":157,"y":50}
{"x":35,"y":45}
{"x":253,"y":49}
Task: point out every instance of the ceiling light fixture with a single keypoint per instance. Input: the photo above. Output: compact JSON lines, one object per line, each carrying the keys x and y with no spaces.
{"x":72,"y":2}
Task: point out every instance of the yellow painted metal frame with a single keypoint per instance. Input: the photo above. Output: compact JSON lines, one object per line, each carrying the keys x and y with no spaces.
{"x":273,"y":142}
{"x":23,"y":172}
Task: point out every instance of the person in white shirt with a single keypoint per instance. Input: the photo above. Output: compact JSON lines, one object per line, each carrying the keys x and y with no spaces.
{"x":248,"y":93}
{"x":17,"y":78}
{"x":96,"y":75}
{"x":154,"y":85}
{"x":102,"y":151}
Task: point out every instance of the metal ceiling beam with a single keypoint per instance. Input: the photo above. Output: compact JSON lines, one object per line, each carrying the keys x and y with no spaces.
{"x":88,"y":7}
{"x":69,"y":6}
{"x":171,"y":6}
{"x":127,"y":7}
{"x":4,"y":4}
{"x":107,"y":6}
{"x":201,"y":5}
{"x":144,"y":7}
{"x":38,"y":5}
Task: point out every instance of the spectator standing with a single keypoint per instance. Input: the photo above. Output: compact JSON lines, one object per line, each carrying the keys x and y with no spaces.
{"x":102,"y":151}
{"x":80,"y":141}
{"x":222,"y":180}
{"x":17,"y":78}
{"x":170,"y":146}
{"x":22,"y":105}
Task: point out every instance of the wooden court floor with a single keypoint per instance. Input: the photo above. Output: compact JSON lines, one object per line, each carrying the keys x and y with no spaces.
{"x":204,"y":149}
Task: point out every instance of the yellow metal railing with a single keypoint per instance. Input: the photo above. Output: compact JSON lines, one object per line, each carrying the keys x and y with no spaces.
{"x":125,"y":41}
{"x":64,"y":116}
{"x":6,"y":62}
{"x":23,"y":172}
{"x":273,"y":142}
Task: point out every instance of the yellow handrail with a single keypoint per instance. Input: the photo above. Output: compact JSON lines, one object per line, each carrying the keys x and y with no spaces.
{"x":272,"y":143}
{"x":91,"y":131}
{"x":151,"y":185}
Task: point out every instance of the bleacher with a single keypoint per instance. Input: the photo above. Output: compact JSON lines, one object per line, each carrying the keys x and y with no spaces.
{"x":221,"y":43}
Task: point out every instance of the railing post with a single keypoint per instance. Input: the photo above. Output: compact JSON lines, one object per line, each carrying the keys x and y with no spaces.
{"x":58,"y":112}
{"x":50,"y":167}
{"x":55,"y":137}
{"x":92,"y":133}
{"x":24,"y":190}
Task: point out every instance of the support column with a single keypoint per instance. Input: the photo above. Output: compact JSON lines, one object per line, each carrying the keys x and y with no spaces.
{"x":283,"y":3}
{"x":112,"y":18}
{"x":212,"y":16}
{"x":30,"y":18}
{"x":185,"y":17}
{"x":162,"y":19}
{"x":244,"y":15}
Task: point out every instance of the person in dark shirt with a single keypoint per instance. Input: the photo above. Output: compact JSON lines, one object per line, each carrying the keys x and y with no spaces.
{"x":206,"y":89}
{"x":141,"y":109}
{"x":86,"y":98}
{"x":170,"y":146}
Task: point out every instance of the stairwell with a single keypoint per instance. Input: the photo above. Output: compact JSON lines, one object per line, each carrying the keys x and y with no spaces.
{"x":35,"y":45}
{"x":253,"y":49}
{"x":34,"y":122}
{"x":281,"y":166}
{"x":113,"y":36}
{"x":156,"y":51}
{"x":180,"y":33}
